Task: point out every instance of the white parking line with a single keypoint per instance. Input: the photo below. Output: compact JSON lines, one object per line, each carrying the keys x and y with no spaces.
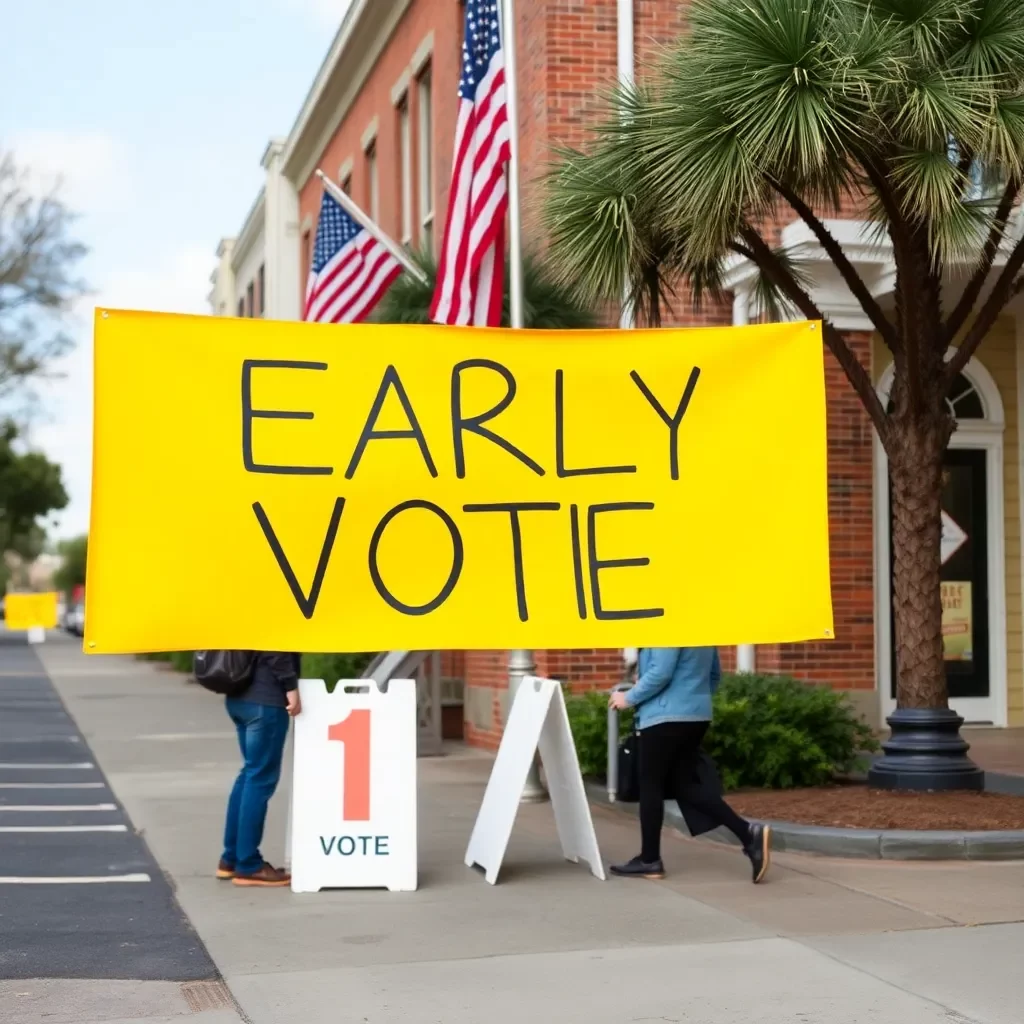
{"x":63,"y":828}
{"x":72,"y":880}
{"x":44,"y":808}
{"x":40,"y":739}
{"x":52,"y":785}
{"x":78,"y":766}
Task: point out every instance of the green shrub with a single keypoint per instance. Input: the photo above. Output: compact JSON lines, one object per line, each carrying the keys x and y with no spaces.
{"x":774,"y":732}
{"x":332,"y":667}
{"x":769,"y":732}
{"x":588,"y":720}
{"x":181,"y":661}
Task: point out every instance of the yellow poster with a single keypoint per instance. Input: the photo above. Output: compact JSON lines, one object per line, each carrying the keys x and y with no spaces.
{"x":957,"y":622}
{"x":303,"y":487}
{"x":30,"y":611}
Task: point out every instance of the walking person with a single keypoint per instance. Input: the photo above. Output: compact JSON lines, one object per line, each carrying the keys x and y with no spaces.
{"x":261,"y":715}
{"x":672,"y":703}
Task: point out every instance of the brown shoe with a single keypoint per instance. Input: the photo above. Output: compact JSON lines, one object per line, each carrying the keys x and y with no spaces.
{"x":225,"y":871}
{"x":267,"y":877}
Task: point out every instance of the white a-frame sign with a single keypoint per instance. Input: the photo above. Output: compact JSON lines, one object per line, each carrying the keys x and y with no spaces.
{"x":537,"y":721}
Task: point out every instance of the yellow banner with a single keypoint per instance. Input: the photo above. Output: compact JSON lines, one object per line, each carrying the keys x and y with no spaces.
{"x":30,"y":611}
{"x":302,"y":487}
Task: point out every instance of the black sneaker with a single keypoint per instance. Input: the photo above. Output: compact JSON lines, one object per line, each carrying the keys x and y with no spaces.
{"x":637,"y":868}
{"x":759,"y":850}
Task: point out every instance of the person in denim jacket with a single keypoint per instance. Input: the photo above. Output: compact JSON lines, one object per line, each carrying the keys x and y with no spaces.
{"x":672,"y":701}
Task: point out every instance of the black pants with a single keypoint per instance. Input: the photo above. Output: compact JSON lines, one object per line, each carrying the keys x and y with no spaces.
{"x":668,"y":754}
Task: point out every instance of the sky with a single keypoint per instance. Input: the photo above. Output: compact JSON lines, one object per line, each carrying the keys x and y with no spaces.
{"x":155,"y":117}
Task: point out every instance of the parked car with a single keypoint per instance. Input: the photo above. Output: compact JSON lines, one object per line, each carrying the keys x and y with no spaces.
{"x":76,"y":619}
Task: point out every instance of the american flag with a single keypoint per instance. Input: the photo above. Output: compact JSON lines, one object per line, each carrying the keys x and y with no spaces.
{"x":471,"y":271}
{"x":350,"y":271}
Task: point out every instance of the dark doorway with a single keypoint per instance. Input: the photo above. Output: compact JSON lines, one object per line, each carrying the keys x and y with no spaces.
{"x":964,"y":575}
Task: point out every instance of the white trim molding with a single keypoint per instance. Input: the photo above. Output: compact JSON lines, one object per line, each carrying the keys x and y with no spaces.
{"x":868,"y":249}
{"x":400,"y":89}
{"x":985,"y":435}
{"x":423,"y":55}
{"x":369,"y":136}
{"x":362,"y":38}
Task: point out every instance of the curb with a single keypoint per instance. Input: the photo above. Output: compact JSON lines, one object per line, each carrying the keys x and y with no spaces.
{"x":860,"y":843}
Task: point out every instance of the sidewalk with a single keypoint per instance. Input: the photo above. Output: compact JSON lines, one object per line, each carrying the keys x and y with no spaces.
{"x":997,"y":750}
{"x":827,"y":942}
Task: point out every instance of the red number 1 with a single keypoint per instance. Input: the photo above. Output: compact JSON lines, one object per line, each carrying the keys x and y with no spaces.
{"x":354,"y":732}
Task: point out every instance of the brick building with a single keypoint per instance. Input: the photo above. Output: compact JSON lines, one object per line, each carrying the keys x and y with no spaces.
{"x":380,"y":119}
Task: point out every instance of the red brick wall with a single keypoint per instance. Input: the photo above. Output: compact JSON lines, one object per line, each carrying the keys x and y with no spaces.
{"x":848,"y":662}
{"x":444,"y":19}
{"x":567,"y":57}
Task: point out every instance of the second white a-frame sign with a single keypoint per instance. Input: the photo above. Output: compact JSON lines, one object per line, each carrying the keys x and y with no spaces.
{"x":537,"y":720}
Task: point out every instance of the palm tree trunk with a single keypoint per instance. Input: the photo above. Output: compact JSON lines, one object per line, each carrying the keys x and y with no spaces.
{"x":925,"y":750}
{"x":915,"y":469}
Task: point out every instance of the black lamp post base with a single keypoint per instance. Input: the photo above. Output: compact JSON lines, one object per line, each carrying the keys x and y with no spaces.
{"x":925,"y":752}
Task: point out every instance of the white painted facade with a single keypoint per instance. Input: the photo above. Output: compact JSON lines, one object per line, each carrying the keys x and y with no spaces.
{"x":258,"y":270}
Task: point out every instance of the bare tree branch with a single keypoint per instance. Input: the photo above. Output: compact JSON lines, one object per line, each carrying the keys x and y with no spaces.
{"x":963,"y":308}
{"x":853,"y":368}
{"x":37,"y":281}
{"x":1005,"y":288}
{"x":849,"y":274}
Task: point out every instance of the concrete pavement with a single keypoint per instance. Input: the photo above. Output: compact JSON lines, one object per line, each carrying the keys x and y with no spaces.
{"x":825,"y":942}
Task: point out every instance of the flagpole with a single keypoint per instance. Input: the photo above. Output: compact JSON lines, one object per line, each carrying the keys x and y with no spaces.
{"x":349,"y":205}
{"x":520,"y":662}
{"x":515,"y":234}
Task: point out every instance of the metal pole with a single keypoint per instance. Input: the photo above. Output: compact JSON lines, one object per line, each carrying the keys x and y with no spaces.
{"x":349,"y":205}
{"x":520,"y":662}
{"x":612,"y":771}
{"x":520,"y":665}
{"x":515,"y":232}
{"x":746,"y":655}
{"x":624,"y":25}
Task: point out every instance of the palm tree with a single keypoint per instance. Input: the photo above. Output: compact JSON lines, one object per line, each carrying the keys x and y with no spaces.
{"x":549,"y":303}
{"x":772,"y":110}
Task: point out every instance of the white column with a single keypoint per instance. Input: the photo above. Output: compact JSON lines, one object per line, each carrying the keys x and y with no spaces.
{"x":746,"y":657}
{"x":281,"y":234}
{"x":626,"y":74}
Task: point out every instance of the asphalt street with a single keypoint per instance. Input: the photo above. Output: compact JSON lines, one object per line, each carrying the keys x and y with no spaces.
{"x":80,"y":894}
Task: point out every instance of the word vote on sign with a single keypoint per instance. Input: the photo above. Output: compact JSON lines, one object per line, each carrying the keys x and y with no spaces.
{"x":332,"y":488}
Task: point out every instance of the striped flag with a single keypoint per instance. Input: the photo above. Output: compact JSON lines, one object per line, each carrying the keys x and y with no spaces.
{"x":350,"y":271}
{"x":471,"y":270}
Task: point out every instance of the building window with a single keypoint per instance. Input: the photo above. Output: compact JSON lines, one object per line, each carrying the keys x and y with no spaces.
{"x":241,"y":307}
{"x":963,"y":401}
{"x":250,"y":306}
{"x":261,"y":289}
{"x":373,"y":187}
{"x":426,"y":159}
{"x":307,"y":255}
{"x":405,"y":170}
{"x":346,"y":185}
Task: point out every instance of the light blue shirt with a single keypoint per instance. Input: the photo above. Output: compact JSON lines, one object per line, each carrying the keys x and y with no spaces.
{"x":674,"y":684}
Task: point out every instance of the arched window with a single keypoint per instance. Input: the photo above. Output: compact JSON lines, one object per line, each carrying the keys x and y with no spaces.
{"x":963,"y":400}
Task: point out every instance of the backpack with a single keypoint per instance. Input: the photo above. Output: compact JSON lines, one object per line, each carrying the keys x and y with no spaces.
{"x":228,"y":673}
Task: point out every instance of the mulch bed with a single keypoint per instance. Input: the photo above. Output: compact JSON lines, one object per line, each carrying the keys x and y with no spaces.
{"x":855,"y":806}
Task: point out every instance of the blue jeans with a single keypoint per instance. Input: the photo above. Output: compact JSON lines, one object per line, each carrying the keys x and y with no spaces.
{"x":262,"y":731}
